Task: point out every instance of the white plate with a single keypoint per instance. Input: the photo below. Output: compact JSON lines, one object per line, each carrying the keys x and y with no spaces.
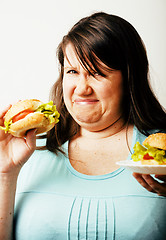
{"x":144,"y":169}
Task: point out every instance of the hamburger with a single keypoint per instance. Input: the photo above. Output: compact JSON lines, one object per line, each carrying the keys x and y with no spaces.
{"x":153,"y":151}
{"x":30,"y":114}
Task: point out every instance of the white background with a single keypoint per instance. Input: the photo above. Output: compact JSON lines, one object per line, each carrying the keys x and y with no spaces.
{"x":30,"y":31}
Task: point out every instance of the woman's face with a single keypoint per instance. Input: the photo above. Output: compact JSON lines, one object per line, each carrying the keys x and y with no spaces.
{"x":94,"y":102}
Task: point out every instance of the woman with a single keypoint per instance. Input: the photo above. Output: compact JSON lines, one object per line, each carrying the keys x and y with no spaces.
{"x":74,"y":189}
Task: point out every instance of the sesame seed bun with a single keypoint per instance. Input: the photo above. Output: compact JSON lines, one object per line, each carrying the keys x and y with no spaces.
{"x":157,"y":140}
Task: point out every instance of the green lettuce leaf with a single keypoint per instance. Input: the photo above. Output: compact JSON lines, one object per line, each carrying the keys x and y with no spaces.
{"x":50,"y":112}
{"x":139,"y":152}
{"x":6,"y":126}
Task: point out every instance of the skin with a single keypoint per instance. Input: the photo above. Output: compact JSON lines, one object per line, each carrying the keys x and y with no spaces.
{"x":93,"y":101}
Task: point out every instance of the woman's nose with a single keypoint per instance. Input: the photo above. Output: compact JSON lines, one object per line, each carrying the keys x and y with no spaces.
{"x":83,"y":86}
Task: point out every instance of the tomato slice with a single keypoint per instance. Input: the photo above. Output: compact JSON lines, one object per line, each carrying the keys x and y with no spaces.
{"x":21,"y":115}
{"x":147,"y":157}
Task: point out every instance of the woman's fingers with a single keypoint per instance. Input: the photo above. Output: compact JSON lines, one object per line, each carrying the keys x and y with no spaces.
{"x":159,"y":188}
{"x":151,"y":184}
{"x":22,"y":148}
{"x":31,"y":140}
{"x":143,"y":182}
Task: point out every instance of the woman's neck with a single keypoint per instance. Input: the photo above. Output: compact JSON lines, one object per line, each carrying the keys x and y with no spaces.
{"x":96,"y":153}
{"x":111,"y":130}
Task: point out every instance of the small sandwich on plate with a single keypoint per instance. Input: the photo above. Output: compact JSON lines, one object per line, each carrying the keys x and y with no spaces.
{"x":153,"y":151}
{"x":30,"y":114}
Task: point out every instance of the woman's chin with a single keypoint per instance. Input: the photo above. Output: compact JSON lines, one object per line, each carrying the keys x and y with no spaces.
{"x":87,"y":118}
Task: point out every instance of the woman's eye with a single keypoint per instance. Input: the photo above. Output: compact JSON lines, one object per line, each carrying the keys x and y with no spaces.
{"x":71,"y":71}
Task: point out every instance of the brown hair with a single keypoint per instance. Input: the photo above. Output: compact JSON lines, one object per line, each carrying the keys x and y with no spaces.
{"x":116,"y":43}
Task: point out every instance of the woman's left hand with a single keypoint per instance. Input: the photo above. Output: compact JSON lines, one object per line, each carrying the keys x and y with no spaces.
{"x":151,"y":184}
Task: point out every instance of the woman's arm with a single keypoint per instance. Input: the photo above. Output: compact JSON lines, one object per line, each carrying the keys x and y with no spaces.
{"x":7,"y":198}
{"x":151,"y":184}
{"x":14,"y":152}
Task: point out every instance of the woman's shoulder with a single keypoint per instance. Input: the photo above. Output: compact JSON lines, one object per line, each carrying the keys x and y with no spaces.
{"x":45,"y":156}
{"x":41,"y":166}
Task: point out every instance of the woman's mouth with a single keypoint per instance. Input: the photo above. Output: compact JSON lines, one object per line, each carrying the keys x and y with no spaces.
{"x":85,"y":101}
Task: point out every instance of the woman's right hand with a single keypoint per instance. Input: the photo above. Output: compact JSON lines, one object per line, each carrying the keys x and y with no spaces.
{"x":14,"y":152}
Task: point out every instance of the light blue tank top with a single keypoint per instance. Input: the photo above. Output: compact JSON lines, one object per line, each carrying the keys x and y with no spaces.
{"x":55,"y":202}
